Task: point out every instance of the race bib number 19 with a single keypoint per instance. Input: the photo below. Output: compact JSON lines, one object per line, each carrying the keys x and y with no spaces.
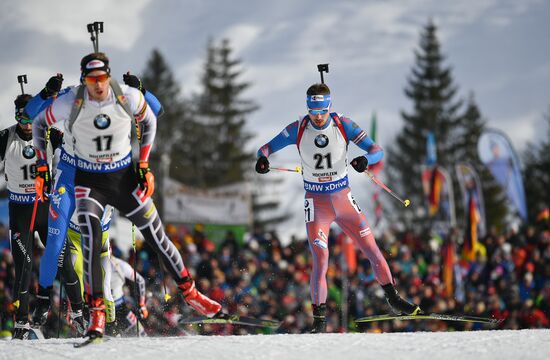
{"x":309,"y":210}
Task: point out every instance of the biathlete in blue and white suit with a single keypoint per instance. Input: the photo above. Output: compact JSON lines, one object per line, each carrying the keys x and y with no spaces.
{"x":322,"y":139}
{"x":100,"y":116}
{"x":63,"y":205}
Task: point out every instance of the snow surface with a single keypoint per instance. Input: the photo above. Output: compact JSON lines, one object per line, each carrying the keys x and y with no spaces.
{"x":478,"y":345}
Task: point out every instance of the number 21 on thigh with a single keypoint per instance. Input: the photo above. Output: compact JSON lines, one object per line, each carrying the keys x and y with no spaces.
{"x":309,"y":210}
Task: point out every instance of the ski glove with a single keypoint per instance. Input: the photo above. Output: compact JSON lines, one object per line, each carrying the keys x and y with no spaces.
{"x":146,"y":179}
{"x":42,"y":181}
{"x":143,"y":312}
{"x":52,"y":86}
{"x":360,"y":164}
{"x":133,"y":81}
{"x":262,"y":165}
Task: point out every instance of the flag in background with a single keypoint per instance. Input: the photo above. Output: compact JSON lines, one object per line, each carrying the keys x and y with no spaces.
{"x":469,"y":181}
{"x":470,"y":242}
{"x":431,"y":150}
{"x":348,"y":249}
{"x":434,"y":195}
{"x":431,"y":177}
{"x":498,"y":155}
{"x":448,"y":257}
{"x":438,"y":187}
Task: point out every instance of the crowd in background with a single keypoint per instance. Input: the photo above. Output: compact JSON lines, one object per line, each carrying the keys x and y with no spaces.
{"x":509,"y":279}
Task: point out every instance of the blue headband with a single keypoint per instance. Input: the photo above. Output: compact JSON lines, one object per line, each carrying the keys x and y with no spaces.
{"x":318,"y":101}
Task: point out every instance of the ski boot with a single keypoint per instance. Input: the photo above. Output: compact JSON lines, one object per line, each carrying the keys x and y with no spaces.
{"x":79,"y":322}
{"x":319,"y":319}
{"x":197,"y":300}
{"x":399,"y":306}
{"x":42,"y":309}
{"x":97,"y":319}
{"x":21,"y":330}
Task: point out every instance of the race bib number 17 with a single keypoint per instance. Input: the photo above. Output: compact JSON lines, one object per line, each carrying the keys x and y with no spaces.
{"x":309,"y":210}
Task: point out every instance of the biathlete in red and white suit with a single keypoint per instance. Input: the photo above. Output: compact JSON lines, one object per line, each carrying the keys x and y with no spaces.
{"x":322,"y":139}
{"x":100,"y":116}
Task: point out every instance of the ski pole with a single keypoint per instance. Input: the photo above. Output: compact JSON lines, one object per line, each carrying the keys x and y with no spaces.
{"x":378,"y":182}
{"x":166,"y":294}
{"x":26,"y":254}
{"x":136,"y":294}
{"x":297,"y":169}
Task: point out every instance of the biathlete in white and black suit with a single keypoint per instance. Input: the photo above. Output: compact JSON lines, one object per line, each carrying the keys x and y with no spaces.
{"x":101,"y":116}
{"x":19,"y":157}
{"x":322,"y":139}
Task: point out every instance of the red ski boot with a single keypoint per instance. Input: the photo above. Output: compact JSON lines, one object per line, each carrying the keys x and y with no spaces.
{"x":197,"y":300}
{"x":97,"y":318}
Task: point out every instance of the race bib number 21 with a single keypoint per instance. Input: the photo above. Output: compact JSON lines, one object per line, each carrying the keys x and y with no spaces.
{"x":309,"y":210}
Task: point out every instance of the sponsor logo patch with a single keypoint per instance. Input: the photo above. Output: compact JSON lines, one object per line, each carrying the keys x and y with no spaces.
{"x":53,"y":231}
{"x":102,"y":121}
{"x":94,"y":64}
{"x":364,"y":232}
{"x":28,"y":152}
{"x":321,"y":141}
{"x":320,"y":243}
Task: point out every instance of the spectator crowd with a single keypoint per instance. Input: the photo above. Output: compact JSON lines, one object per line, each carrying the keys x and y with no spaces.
{"x":509,"y":279}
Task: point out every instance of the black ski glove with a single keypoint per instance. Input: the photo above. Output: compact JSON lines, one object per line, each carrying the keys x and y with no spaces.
{"x":262,"y":165}
{"x":133,"y":81}
{"x":360,"y":163}
{"x":52,"y":86}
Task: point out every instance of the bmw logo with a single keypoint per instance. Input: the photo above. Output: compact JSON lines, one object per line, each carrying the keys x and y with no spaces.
{"x":102,"y":121}
{"x":321,"y":141}
{"x":28,"y":152}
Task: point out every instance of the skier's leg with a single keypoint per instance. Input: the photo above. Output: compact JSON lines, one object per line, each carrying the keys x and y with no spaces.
{"x":143,"y":213}
{"x":21,"y":246}
{"x":319,"y":215}
{"x":354,"y":223}
{"x":90,"y":207}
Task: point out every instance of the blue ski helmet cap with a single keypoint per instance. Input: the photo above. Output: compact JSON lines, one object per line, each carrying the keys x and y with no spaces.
{"x":318,"y":101}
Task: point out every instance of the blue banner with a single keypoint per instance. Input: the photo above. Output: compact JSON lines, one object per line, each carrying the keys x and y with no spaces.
{"x":497,"y":153}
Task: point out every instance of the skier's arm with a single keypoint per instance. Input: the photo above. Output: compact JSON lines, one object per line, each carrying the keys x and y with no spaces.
{"x":359,"y":137}
{"x":46,"y":96}
{"x":56,"y":137}
{"x":55,"y":112}
{"x":145,"y":118}
{"x":135,"y":82}
{"x":286,"y":137}
{"x":154,"y":103}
